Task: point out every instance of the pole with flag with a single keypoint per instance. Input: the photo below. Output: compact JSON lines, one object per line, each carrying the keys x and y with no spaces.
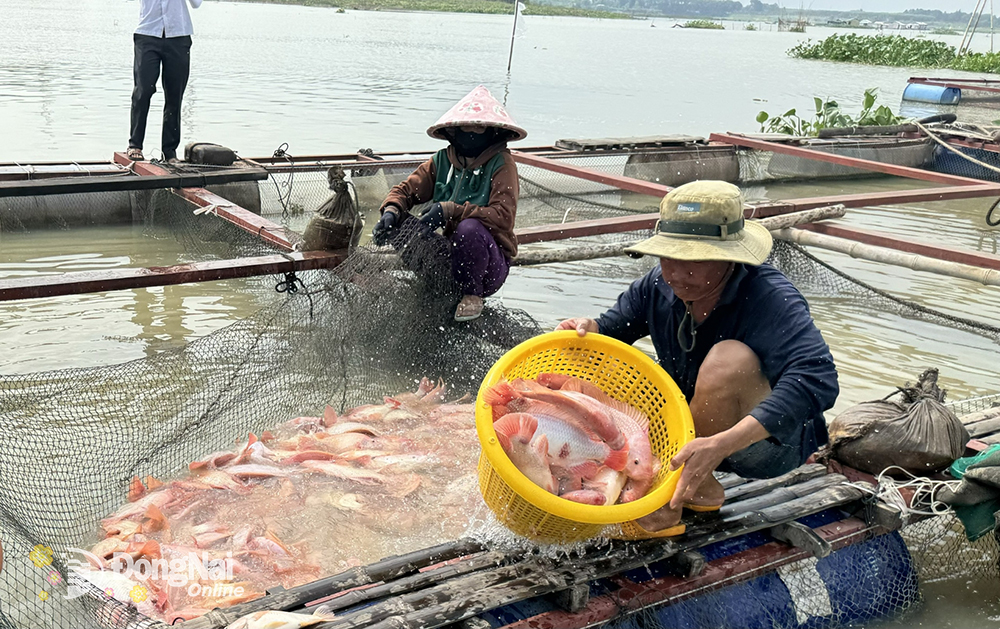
{"x":518,"y":7}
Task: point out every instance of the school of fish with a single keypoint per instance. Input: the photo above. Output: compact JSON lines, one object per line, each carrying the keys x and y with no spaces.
{"x":308,"y":499}
{"x":570,"y":438}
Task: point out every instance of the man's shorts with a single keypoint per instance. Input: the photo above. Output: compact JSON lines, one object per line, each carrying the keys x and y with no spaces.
{"x":764,"y":459}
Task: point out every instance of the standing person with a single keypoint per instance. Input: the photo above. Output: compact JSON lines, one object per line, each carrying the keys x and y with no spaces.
{"x":737,"y":338}
{"x":472,"y":186}
{"x":163,"y":38}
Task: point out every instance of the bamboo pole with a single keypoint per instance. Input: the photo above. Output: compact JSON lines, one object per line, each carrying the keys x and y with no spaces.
{"x":610,"y":250}
{"x":988,"y":277}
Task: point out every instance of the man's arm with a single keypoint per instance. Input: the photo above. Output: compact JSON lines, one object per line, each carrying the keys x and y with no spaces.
{"x":627,"y":320}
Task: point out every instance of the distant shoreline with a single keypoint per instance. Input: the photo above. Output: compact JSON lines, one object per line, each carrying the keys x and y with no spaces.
{"x":488,"y":7}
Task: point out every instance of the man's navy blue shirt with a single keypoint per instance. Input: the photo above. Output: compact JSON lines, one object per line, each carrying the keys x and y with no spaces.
{"x":760,"y":308}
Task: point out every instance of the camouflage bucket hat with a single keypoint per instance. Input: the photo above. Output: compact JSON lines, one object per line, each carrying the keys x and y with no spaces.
{"x":703,"y":220}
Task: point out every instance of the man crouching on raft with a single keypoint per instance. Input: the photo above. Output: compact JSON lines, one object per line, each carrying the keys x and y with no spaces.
{"x":737,"y":338}
{"x":472,"y":187}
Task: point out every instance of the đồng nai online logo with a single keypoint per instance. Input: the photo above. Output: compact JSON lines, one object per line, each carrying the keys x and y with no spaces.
{"x":122,"y":576}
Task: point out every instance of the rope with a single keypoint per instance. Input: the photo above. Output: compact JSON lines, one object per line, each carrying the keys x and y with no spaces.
{"x":888,"y":490}
{"x":284,"y":197}
{"x":989,"y":213}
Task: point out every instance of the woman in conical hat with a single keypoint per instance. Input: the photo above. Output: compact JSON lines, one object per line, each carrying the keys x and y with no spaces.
{"x":472,"y":187}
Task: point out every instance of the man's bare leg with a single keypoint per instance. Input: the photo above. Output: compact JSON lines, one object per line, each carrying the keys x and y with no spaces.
{"x":730,"y":384}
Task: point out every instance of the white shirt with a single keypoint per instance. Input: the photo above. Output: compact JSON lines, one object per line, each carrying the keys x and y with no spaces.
{"x":165,"y":18}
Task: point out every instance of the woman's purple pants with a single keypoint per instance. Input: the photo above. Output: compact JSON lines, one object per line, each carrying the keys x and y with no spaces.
{"x":478,"y":264}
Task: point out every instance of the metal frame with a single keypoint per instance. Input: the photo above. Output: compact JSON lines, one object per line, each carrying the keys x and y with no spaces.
{"x":538,"y":157}
{"x":981,"y":85}
{"x":121,"y":279}
{"x":269,"y":232}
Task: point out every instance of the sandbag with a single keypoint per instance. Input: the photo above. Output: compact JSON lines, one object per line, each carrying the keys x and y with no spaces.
{"x":914,"y":431}
{"x":337,"y":223}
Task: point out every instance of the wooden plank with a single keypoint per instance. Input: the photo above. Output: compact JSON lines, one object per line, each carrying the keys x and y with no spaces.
{"x":763,"y":486}
{"x":384,"y":570}
{"x":468,"y":596}
{"x":21,"y":172}
{"x":843,"y":160}
{"x":128,"y":278}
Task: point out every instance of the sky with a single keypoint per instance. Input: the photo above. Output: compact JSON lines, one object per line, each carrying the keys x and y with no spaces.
{"x":886,"y":5}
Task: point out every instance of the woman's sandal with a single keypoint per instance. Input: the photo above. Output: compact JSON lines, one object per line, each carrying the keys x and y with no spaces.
{"x":469,"y":308}
{"x":134,"y":154}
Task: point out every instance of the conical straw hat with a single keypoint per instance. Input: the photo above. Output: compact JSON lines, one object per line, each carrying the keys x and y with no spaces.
{"x":477,"y":108}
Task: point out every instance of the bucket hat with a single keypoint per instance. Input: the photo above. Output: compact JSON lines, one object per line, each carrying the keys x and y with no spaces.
{"x":478,"y":107}
{"x":703,"y":220}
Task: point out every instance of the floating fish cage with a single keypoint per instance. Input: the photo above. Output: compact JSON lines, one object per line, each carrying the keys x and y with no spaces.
{"x":808,"y":549}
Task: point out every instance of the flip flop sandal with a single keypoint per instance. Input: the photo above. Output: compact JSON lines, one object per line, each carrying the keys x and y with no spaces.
{"x":467,"y":311}
{"x":135,"y":154}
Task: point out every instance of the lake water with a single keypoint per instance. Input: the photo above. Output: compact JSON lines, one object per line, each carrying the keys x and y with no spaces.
{"x":324,"y":82}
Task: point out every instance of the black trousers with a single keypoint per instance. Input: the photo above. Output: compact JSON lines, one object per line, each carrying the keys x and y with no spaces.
{"x":174,"y":54}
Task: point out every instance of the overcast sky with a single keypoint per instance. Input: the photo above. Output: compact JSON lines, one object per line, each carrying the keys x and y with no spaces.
{"x":884,"y":5}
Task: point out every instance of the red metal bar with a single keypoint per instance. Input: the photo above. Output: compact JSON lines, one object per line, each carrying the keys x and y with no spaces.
{"x":730,"y":570}
{"x":227,"y":210}
{"x":982,"y":85}
{"x":864,"y":164}
{"x":623,"y":183}
{"x":881,"y":239}
{"x":121,"y":279}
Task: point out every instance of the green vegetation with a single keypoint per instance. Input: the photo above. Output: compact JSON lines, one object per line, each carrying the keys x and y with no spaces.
{"x":797,"y":28}
{"x":895,"y":50}
{"x":829,"y":115}
{"x":450,"y":6}
{"x":749,"y":27}
{"x":706,"y":24}
{"x":944,"y":31}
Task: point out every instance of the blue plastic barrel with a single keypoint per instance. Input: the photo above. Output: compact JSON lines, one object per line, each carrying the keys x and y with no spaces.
{"x":934,"y":94}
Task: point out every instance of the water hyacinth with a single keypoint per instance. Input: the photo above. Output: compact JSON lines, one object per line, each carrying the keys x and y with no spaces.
{"x":895,"y":50}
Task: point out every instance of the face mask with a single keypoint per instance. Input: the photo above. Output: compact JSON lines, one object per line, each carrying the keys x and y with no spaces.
{"x":471,"y":144}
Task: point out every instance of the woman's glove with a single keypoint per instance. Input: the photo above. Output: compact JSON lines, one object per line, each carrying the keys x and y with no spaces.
{"x":384,"y":227}
{"x":433,"y":218}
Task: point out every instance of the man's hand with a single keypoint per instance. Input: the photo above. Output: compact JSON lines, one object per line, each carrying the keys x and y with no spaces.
{"x":580,"y":324}
{"x":699,"y":458}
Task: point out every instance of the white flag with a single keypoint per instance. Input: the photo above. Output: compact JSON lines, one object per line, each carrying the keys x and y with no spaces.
{"x":519,"y":28}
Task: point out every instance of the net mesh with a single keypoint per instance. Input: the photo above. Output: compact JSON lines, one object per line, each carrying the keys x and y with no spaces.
{"x":74,"y":438}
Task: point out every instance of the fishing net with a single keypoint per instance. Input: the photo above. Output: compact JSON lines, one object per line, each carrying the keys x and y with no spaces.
{"x":73,"y":439}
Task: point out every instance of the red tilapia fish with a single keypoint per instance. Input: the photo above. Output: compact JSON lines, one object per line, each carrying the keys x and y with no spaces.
{"x":572,"y":439}
{"x":308,"y":499}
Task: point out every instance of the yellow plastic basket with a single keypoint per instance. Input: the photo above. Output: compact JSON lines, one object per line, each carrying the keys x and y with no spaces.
{"x":624,"y":373}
